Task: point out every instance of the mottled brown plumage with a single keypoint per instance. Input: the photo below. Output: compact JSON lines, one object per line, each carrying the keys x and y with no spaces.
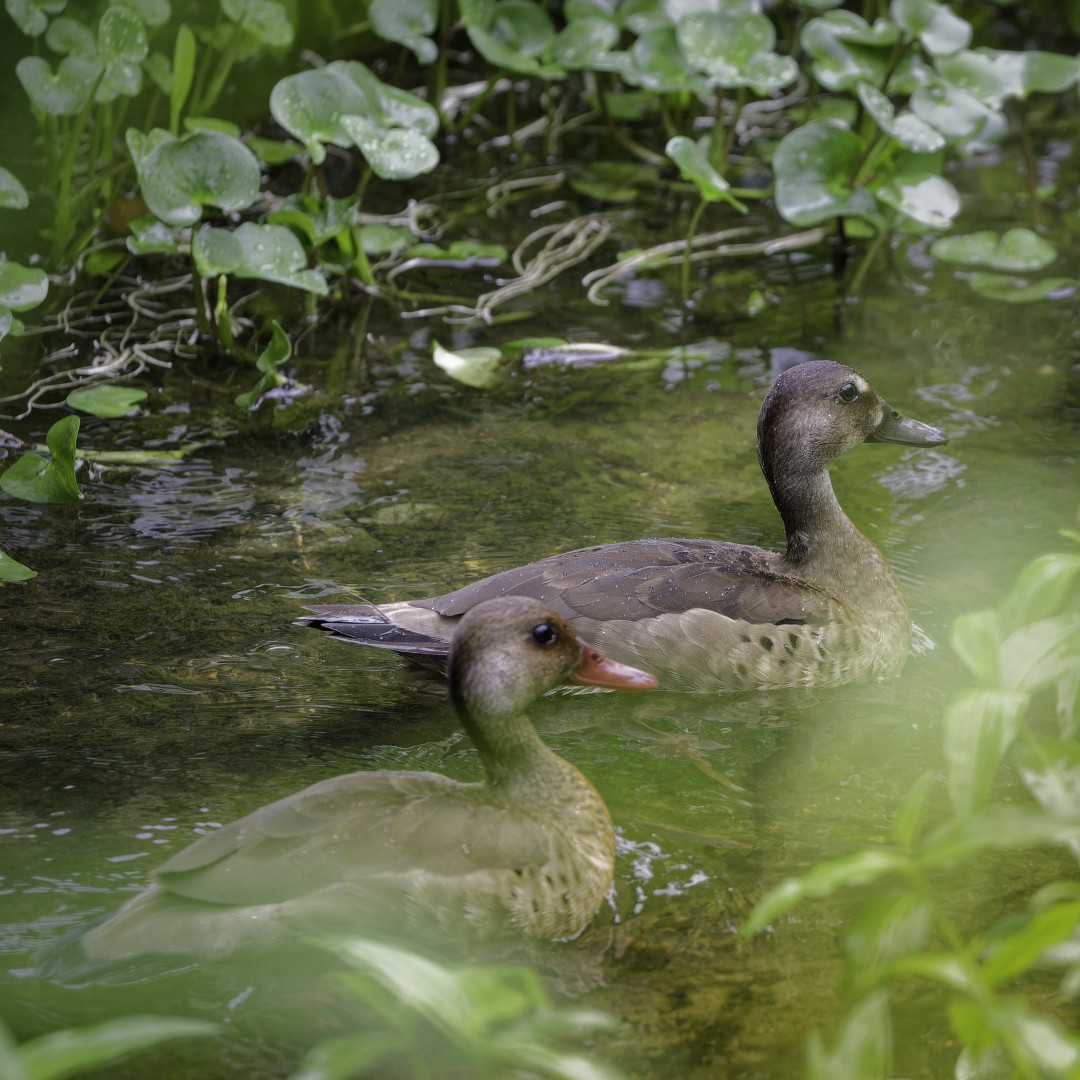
{"x":528,"y":851}
{"x":711,"y":616}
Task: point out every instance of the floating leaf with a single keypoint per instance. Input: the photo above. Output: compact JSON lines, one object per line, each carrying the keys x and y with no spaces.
{"x":478,"y":367}
{"x":21,"y":287}
{"x":392,"y":153}
{"x":1019,"y":250}
{"x":813,"y":165}
{"x":265,"y":252}
{"x":36,"y":480}
{"x":1014,"y":290}
{"x":180,"y":176}
{"x":11,"y":570}
{"x":12,"y":194}
{"x":409,"y":23}
{"x":107,"y":402}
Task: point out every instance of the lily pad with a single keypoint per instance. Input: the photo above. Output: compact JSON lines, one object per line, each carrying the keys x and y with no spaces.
{"x":264,"y":252}
{"x":907,"y":129}
{"x":392,"y":153}
{"x":178,"y":177}
{"x":477,"y":367}
{"x":1014,"y":290}
{"x":107,"y":402}
{"x":1019,"y":250}
{"x":60,"y":93}
{"x":694,"y":165}
{"x":409,"y":23}
{"x":813,"y":165}
{"x":13,"y":195}
{"x":36,"y":480}
{"x":11,"y":570}
{"x":21,"y":287}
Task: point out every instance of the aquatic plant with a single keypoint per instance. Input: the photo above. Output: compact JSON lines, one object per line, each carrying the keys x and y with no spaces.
{"x":1025,"y":658}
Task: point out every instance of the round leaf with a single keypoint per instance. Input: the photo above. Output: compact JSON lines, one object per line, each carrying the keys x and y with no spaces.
{"x":407,"y":22}
{"x":180,"y":176}
{"x":22,"y":287}
{"x":908,"y":130}
{"x":30,"y":15}
{"x":62,"y":93}
{"x":1020,"y":291}
{"x":477,"y":367}
{"x":122,"y":36}
{"x":940,"y":31}
{"x":152,"y":12}
{"x":582,"y":41}
{"x":392,"y":153}
{"x":846,"y":49}
{"x":695,"y":167}
{"x":1019,"y":250}
{"x":265,"y":20}
{"x":812,"y":166}
{"x":930,"y":201}
{"x":721,"y":45}
{"x":68,"y":35}
{"x":12,"y":194}
{"x":107,"y":402}
{"x":265,"y":252}
{"x":952,"y":111}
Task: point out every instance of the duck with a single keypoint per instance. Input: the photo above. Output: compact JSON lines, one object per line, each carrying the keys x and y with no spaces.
{"x":705,"y":615}
{"x":529,"y":850}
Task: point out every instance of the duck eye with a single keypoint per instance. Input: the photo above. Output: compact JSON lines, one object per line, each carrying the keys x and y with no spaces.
{"x":848,"y":392}
{"x":544,"y":634}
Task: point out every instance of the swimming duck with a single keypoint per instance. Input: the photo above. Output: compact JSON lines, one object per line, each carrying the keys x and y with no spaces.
{"x":709,"y":616}
{"x":530,"y":850}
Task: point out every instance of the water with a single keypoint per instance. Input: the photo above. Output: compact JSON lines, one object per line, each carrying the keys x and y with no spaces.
{"x":152,"y":683}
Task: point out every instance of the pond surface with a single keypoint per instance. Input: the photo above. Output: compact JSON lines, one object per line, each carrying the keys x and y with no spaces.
{"x":153,"y":683}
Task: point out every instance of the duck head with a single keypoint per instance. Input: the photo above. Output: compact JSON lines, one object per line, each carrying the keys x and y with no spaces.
{"x":508,"y":651}
{"x":815,"y":411}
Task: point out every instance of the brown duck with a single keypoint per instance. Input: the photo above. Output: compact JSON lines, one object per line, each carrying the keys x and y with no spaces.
{"x":530,"y":850}
{"x":711,"y":616}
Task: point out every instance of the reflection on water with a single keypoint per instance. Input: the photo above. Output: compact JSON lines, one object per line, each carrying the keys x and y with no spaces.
{"x":152,"y":685}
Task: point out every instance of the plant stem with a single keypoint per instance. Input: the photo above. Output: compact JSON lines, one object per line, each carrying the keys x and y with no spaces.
{"x":691,"y":229}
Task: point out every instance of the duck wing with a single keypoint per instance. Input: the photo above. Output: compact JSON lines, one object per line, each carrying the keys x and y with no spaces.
{"x":362,"y":827}
{"x":643,"y":579}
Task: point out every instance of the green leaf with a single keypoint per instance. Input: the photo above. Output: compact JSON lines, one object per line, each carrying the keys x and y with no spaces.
{"x":1014,"y":290}
{"x":31,"y":16}
{"x":997,"y":828}
{"x":122,"y":36}
{"x":9,"y":324}
{"x":958,"y":115}
{"x":178,"y":177}
{"x":1023,"y":947}
{"x":980,"y":726}
{"x":948,"y":969}
{"x":722,"y":44}
{"x":10,"y":570}
{"x":153,"y":13}
{"x":907,"y":129}
{"x":13,"y":195}
{"x":392,"y":153}
{"x":183,"y":73}
{"x":863,"y":1049}
{"x":976,"y":638}
{"x":940,"y":31}
{"x":106,"y":401}
{"x":265,"y":252}
{"x":824,"y":879}
{"x":980,"y":76}
{"x":847,"y":50}
{"x":69,"y":36}
{"x":273,"y":151}
{"x":813,"y":165}
{"x":151,"y":237}
{"x":348,"y":1057}
{"x":887,"y":925}
{"x":21,"y":287}
{"x":1019,"y":250}
{"x":1040,"y":590}
{"x":409,"y":23}
{"x":929,"y":201}
{"x":212,"y":123}
{"x":1038,"y":655}
{"x":912,"y":813}
{"x":582,"y":41}
{"x":478,"y":367}
{"x":61,"y":1054}
{"x":377,"y":239}
{"x":657,"y":64}
{"x":36,"y":480}
{"x":63,"y":93}
{"x":265,"y":20}
{"x":694,"y":166}
{"x":276,"y":353}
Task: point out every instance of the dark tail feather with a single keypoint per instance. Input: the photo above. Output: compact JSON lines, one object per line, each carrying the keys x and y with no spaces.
{"x":365,"y":624}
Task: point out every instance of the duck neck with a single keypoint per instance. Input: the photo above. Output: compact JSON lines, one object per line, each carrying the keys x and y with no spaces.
{"x":817,"y":528}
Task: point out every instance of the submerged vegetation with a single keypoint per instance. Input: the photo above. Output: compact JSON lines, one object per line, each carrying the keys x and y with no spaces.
{"x":217,"y":180}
